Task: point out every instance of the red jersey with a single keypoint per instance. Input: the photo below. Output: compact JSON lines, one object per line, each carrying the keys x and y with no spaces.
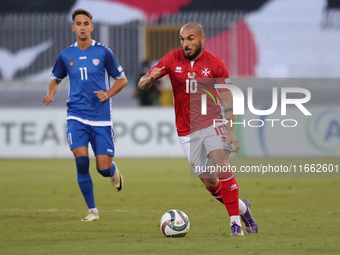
{"x":190,"y":80}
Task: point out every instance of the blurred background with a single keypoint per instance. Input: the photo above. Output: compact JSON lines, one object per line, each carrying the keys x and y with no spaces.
{"x":264,"y":44}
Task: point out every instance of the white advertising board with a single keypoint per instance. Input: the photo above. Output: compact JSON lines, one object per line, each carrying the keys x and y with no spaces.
{"x":41,"y":133}
{"x":151,"y":132}
{"x":317,"y":135}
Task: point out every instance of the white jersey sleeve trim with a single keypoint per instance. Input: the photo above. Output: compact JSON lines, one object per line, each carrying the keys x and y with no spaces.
{"x":53,"y":77}
{"x":121,"y":76}
{"x":91,"y":122}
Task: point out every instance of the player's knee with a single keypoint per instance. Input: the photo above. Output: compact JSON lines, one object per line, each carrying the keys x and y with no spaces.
{"x":103,"y":162}
{"x":211,"y":187}
{"x":108,"y":172}
{"x":210,"y":184}
{"x":83,"y":164}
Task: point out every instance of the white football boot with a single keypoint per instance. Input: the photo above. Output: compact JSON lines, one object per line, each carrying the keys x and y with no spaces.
{"x":92,"y":216}
{"x":117,"y":180}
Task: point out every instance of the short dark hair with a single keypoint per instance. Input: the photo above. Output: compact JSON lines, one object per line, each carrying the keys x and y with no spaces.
{"x":80,"y":11}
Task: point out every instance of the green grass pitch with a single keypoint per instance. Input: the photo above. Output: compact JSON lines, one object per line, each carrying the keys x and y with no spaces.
{"x":41,"y":207}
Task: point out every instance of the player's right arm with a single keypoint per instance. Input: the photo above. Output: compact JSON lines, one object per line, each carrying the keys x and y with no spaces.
{"x":58,"y":73}
{"x":149,"y":79}
{"x":52,"y":89}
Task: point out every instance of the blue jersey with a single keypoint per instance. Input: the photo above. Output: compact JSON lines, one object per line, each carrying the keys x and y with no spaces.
{"x":88,"y":71}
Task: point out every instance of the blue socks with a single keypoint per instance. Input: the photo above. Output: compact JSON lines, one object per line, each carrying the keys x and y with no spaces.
{"x":108,"y":172}
{"x":84,"y":180}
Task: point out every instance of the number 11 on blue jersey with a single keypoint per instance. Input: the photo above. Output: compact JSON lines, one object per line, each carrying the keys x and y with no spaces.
{"x":83,"y":72}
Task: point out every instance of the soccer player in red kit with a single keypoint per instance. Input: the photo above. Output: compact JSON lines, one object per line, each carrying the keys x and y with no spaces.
{"x":193,"y":72}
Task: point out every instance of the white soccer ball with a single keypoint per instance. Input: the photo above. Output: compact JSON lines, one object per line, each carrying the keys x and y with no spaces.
{"x":175,"y":223}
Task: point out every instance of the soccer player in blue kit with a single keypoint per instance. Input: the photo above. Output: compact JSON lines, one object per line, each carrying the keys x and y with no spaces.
{"x":89,"y":65}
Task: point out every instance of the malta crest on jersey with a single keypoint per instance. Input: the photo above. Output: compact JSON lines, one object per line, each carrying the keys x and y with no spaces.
{"x":191,"y":75}
{"x":95,"y":61}
{"x":206,"y":72}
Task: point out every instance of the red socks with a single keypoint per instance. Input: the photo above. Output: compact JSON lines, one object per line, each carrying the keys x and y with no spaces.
{"x":229,"y":192}
{"x":226,"y":191}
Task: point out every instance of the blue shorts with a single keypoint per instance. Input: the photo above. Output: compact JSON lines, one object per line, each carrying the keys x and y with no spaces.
{"x":101,"y":138}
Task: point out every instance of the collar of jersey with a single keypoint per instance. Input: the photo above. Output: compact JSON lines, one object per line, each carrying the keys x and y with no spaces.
{"x":93,"y":43}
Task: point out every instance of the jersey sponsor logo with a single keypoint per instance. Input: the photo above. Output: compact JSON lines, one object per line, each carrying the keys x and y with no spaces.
{"x":191,"y":74}
{"x":71,"y":63}
{"x":227,"y":80}
{"x":178,"y":69}
{"x":109,"y":150}
{"x":206,"y":72}
{"x":95,"y":61}
{"x":84,"y":57}
{"x":120,"y":69}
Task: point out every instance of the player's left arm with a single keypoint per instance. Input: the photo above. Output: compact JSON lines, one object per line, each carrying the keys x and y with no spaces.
{"x":227,"y":98}
{"x":117,"y":86}
{"x":116,"y":71}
